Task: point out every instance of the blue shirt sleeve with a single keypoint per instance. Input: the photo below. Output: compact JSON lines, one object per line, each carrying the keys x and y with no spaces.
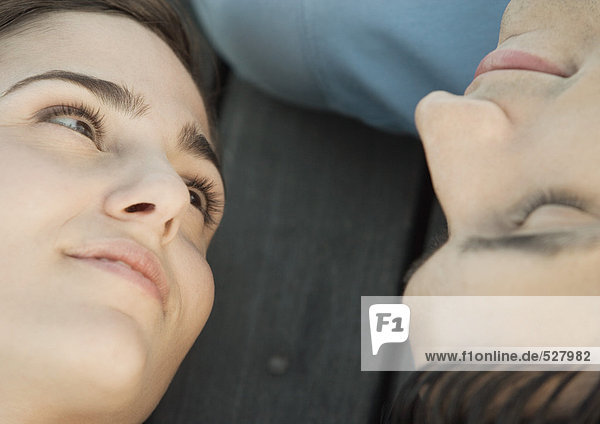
{"x":372,"y":60}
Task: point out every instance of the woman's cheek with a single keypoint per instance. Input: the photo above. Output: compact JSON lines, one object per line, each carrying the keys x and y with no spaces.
{"x":196,"y":290}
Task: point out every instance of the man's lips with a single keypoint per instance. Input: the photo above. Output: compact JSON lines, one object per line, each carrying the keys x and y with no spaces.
{"x":129,"y":260}
{"x":518,"y":60}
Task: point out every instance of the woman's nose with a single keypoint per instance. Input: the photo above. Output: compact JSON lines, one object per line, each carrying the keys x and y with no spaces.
{"x":153,"y":195}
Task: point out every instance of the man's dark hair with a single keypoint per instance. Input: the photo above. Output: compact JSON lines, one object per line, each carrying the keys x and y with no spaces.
{"x":497,"y":397}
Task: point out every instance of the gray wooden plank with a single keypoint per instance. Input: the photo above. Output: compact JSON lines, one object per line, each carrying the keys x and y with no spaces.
{"x":320,"y":211}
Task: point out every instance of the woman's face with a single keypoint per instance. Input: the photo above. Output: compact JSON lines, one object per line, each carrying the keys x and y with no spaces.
{"x":515,"y":162}
{"x":101,"y":134}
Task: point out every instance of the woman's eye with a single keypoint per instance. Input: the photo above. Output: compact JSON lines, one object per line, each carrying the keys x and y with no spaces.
{"x":196,"y":201}
{"x":76,"y":125}
{"x":205,"y":197}
{"x":80,"y":119}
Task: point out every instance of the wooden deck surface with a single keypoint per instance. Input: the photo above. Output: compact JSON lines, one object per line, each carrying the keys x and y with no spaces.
{"x":321,"y":210}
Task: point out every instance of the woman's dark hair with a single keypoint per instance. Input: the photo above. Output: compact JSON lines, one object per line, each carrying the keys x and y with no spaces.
{"x":497,"y":397}
{"x":163,"y":17}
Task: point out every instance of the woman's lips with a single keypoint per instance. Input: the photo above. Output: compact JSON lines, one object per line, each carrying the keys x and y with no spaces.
{"x":130,"y":261}
{"x":125,"y":271}
{"x":518,"y":60}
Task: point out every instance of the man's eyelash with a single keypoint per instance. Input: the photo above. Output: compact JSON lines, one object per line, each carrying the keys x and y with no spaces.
{"x":214,"y":204}
{"x":91,"y":116}
{"x":551,"y":197}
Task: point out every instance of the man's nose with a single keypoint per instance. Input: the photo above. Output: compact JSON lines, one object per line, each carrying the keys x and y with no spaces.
{"x":451,"y":124}
{"x":464,"y":139}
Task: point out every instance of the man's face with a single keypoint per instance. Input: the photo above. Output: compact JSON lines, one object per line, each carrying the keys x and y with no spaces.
{"x":515,"y":162}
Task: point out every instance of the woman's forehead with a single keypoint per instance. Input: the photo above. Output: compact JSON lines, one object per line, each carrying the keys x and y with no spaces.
{"x":111,"y":47}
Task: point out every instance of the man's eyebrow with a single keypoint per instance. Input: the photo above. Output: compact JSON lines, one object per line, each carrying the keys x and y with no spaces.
{"x":438,"y":241}
{"x":546,"y":244}
{"x":110,"y":93}
{"x":192,"y":141}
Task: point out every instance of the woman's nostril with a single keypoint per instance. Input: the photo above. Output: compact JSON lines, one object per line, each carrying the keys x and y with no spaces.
{"x":140,"y":207}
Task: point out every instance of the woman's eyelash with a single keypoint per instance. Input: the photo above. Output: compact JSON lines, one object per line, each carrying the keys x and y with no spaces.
{"x":213,"y":205}
{"x":209,"y":202}
{"x":89,"y":116}
{"x":543,"y":198}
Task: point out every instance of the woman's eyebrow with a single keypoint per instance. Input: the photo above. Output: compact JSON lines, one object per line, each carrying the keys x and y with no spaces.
{"x":115,"y":95}
{"x":191,"y":139}
{"x":546,"y":244}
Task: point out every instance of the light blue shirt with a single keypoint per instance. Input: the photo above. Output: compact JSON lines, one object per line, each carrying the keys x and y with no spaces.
{"x":369,"y":59}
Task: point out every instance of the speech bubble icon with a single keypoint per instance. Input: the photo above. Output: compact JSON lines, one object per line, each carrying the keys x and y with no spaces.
{"x":389,"y":323}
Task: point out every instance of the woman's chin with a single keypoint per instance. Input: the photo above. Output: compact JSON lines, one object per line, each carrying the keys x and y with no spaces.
{"x":101,"y":364}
